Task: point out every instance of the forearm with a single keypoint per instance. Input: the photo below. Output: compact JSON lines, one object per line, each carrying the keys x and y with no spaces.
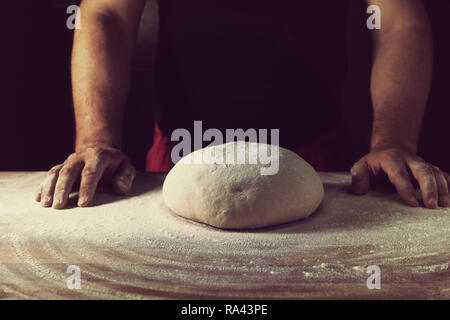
{"x":101,"y":62}
{"x":400,"y":83}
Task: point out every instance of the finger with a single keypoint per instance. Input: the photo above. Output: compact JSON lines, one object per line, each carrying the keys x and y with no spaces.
{"x":124,"y":177}
{"x":90,"y":177}
{"x":424,"y":175}
{"x":360,"y":177}
{"x":447,"y":178}
{"x":48,"y":187}
{"x":38,"y":196}
{"x":443,"y":191}
{"x":398,"y":175}
{"x":68,"y":174}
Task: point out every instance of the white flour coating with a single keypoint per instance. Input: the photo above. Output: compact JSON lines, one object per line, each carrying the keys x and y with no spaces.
{"x":134,"y":247}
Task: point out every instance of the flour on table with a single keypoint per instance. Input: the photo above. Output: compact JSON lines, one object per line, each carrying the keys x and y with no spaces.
{"x":135,"y":247}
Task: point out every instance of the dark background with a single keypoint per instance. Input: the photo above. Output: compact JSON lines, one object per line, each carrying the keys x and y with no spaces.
{"x":36,"y":119}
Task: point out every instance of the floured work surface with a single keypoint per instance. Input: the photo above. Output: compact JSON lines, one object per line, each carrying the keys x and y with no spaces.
{"x":134,"y":248}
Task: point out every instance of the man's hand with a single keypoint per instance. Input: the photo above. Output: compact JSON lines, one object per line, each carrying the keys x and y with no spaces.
{"x":402,"y":167}
{"x":91,"y":165}
{"x":101,"y":68}
{"x":400,"y":84}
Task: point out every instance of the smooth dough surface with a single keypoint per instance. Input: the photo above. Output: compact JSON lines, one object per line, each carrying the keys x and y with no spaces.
{"x":238,"y":196}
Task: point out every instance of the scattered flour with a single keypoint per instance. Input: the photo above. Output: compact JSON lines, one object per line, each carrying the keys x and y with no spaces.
{"x":135,"y":247}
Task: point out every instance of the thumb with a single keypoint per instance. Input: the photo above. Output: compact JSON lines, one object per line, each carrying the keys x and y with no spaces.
{"x":124,"y":177}
{"x":360,"y":177}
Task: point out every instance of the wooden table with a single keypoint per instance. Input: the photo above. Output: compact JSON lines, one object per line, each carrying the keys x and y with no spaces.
{"x":134,"y":247}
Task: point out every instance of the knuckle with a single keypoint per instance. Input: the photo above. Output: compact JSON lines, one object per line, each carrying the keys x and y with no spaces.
{"x":356,"y":166}
{"x":126,"y":177}
{"x":130,"y":174}
{"x":355,"y":169}
{"x":415,"y":164}
{"x":55,"y":169}
{"x":132,"y":171}
{"x":436,"y":168}
{"x":61,"y":190}
{"x":401,"y":173}
{"x":89,"y":172}
{"x":394,"y":153}
{"x":124,"y":180}
{"x":94,"y":152}
{"x":46,"y":188}
{"x":98,"y":151}
{"x":66,"y":171}
{"x":72,"y":157}
{"x":386,"y":156}
{"x":424,"y":169}
{"x":437,"y":172}
{"x":440,"y":178}
{"x":429,"y":181}
{"x":389,"y":157}
{"x":430,"y":190}
{"x":129,"y":177}
{"x":442,"y":185}
{"x":102,"y":155}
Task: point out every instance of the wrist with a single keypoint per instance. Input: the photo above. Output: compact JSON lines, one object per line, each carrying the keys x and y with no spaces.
{"x":390,"y":134}
{"x":88,"y":142}
{"x":383,"y":144}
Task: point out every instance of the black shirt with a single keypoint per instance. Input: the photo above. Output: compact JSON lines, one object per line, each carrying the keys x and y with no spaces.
{"x":252,"y":64}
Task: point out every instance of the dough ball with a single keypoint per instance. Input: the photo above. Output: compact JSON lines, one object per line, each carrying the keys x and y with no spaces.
{"x":204,"y":187}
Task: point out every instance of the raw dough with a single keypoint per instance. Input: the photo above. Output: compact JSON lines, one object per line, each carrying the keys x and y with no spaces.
{"x":238,"y":196}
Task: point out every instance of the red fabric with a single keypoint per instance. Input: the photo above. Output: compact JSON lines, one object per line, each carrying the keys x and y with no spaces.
{"x":316,"y":153}
{"x":158,"y":156}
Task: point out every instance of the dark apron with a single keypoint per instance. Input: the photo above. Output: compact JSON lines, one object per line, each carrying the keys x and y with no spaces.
{"x":250,"y":64}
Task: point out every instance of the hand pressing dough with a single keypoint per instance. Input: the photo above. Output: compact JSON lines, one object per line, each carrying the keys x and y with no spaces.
{"x":238,"y":196}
